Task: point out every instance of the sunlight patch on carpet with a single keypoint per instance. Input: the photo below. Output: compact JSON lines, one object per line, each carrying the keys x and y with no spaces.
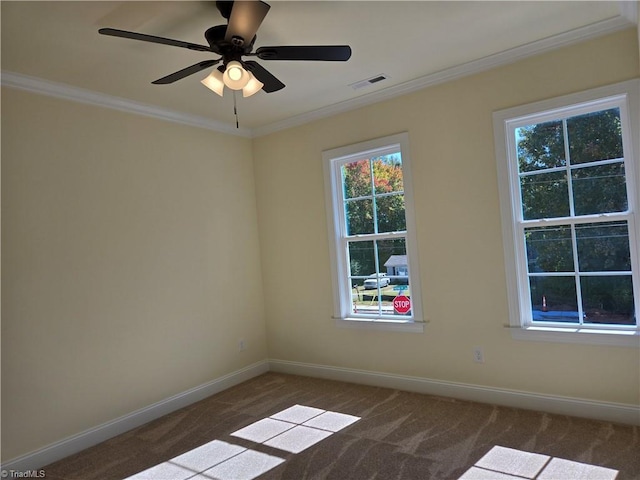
{"x":298,"y":439}
{"x":263,"y":430}
{"x":292,"y":430}
{"x":296,"y":428}
{"x":246,"y":466}
{"x":502,"y":463}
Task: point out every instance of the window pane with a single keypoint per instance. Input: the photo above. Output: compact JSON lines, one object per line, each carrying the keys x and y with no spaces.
{"x":603,"y":247}
{"x":387,"y":173}
{"x":544,"y":196}
{"x":608,"y":299}
{"x":359,"y":215}
{"x":549,"y":249}
{"x":356,"y":179}
{"x":595,"y":136}
{"x":540,"y":146}
{"x":361,"y":259}
{"x":365,"y":302}
{"x":599,"y":189}
{"x":374,"y":293}
{"x":553,"y":299}
{"x":390,"y":211}
{"x":392,"y":257}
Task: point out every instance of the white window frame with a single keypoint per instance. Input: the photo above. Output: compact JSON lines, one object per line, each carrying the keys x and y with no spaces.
{"x":624,"y":95}
{"x":342,"y":293}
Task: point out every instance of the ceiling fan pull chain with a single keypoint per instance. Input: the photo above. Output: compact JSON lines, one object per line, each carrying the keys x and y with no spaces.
{"x":235,"y":109}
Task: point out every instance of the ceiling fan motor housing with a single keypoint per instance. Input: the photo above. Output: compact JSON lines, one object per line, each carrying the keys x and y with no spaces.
{"x":215,"y":37}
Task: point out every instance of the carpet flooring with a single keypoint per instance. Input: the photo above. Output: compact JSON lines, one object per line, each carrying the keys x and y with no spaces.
{"x":287,"y":427}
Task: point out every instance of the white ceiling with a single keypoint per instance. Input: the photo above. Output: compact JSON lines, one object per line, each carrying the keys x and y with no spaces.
{"x":415,"y":43}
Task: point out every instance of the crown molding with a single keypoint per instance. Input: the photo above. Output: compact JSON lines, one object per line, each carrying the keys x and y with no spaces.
{"x":76,"y":94}
{"x":512,"y":55}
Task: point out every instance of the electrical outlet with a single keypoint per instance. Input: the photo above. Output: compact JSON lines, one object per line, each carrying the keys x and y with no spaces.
{"x":478,"y":355}
{"x":242,"y":345}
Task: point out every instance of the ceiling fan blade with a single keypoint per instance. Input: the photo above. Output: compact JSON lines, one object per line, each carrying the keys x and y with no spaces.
{"x":245,"y":19}
{"x":185,"y":72}
{"x":333,"y":53}
{"x":271,"y":83}
{"x":153,"y":39}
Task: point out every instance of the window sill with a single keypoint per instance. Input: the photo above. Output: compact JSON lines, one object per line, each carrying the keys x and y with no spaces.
{"x":381,"y":325}
{"x":580,"y":335}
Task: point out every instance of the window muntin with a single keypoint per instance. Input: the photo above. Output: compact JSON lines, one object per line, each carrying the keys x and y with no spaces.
{"x":569,"y":189}
{"x":371,"y":235}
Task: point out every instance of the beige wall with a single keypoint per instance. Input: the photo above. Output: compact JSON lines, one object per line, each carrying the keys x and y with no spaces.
{"x":130,"y":265}
{"x":459,"y":235}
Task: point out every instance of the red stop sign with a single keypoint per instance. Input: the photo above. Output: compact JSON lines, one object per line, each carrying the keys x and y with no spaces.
{"x":401,"y":304}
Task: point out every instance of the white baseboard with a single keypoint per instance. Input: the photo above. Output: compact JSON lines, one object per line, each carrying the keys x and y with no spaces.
{"x":76,"y":443}
{"x":576,"y":407}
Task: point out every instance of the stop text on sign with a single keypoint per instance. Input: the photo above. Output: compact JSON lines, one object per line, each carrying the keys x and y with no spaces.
{"x":401,"y":304}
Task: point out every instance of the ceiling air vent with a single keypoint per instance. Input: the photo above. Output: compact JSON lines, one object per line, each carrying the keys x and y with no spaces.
{"x":369,"y":81}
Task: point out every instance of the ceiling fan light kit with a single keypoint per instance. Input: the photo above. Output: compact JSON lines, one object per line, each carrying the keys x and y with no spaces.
{"x":214,"y":82}
{"x":253,"y":86}
{"x":233,"y":41}
{"x":234,"y":77}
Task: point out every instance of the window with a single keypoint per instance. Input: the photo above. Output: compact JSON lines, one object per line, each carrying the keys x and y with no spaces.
{"x":374,"y":263}
{"x":568,"y":189}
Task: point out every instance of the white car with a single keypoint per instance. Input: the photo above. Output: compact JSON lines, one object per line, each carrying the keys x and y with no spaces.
{"x":372,"y":282}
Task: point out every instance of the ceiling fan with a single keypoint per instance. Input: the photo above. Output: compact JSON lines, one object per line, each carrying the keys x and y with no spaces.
{"x":234,"y":41}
